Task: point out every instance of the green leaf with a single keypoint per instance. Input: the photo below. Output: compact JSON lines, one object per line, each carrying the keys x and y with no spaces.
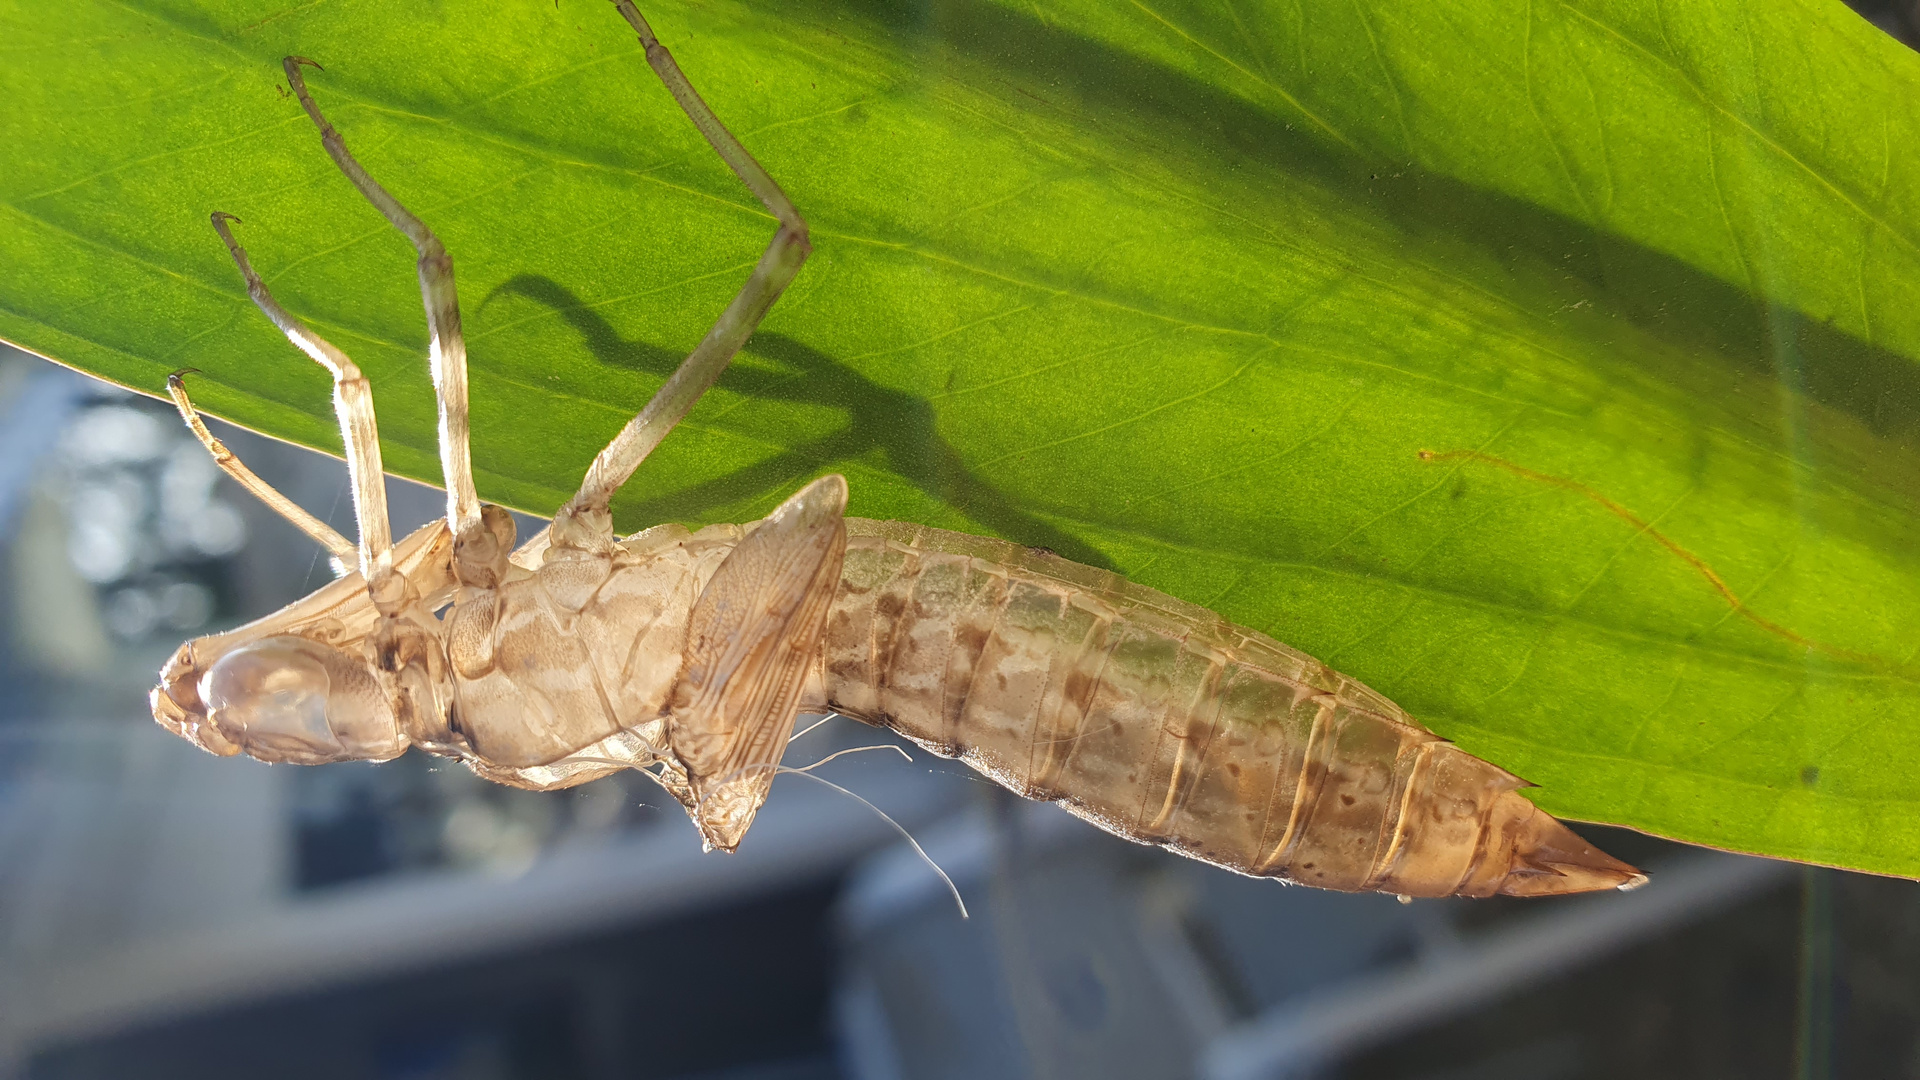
{"x":1180,"y":287}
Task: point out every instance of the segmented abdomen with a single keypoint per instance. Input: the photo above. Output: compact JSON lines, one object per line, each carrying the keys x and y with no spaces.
{"x":1153,"y":718}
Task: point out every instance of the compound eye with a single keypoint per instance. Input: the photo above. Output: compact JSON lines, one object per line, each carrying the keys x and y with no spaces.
{"x":294,"y":699}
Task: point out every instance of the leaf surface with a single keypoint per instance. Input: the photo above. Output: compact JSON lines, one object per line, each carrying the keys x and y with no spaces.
{"x":1549,"y":366}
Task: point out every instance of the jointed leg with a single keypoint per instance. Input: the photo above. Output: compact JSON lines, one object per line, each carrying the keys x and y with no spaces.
{"x":352,"y":403}
{"x":338,"y":546}
{"x":447,"y":348}
{"x":718,"y":137}
{"x":777,"y":268}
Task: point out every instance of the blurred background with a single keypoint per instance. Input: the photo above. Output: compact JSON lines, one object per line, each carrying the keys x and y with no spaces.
{"x":164,"y":913}
{"x":167,"y":914}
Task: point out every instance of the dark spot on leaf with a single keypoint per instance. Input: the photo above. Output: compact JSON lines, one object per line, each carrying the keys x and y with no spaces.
{"x":1810,"y":775}
{"x":1346,"y":800}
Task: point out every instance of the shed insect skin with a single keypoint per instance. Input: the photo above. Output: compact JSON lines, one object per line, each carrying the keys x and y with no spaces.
{"x":688,"y":654}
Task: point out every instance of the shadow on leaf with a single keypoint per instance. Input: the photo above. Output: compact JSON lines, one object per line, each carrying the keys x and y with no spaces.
{"x":896,"y":424}
{"x":1046,"y":66}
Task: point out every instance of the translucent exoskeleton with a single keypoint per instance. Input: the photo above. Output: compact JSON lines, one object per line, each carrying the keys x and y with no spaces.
{"x":688,"y":655}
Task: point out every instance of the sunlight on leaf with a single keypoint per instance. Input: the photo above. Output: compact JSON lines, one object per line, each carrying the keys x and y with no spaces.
{"x":1549,"y":366}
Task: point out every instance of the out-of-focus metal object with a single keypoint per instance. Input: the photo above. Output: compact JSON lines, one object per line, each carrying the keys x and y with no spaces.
{"x":1087,"y":961}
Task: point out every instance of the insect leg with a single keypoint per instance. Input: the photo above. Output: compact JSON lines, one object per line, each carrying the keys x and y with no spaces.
{"x":352,"y":403}
{"x":338,"y":546}
{"x":776,"y":269}
{"x":446,"y":347}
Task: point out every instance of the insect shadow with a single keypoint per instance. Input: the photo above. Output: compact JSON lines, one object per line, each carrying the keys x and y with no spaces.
{"x":898,"y":424}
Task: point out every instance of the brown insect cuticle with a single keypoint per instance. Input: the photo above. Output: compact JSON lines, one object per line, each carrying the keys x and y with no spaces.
{"x":686,"y":655}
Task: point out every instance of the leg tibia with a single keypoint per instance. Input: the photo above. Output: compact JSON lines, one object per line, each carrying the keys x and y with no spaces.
{"x":352,"y":404}
{"x":777,"y":267}
{"x":447,"y":348}
{"x":337,"y":546}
